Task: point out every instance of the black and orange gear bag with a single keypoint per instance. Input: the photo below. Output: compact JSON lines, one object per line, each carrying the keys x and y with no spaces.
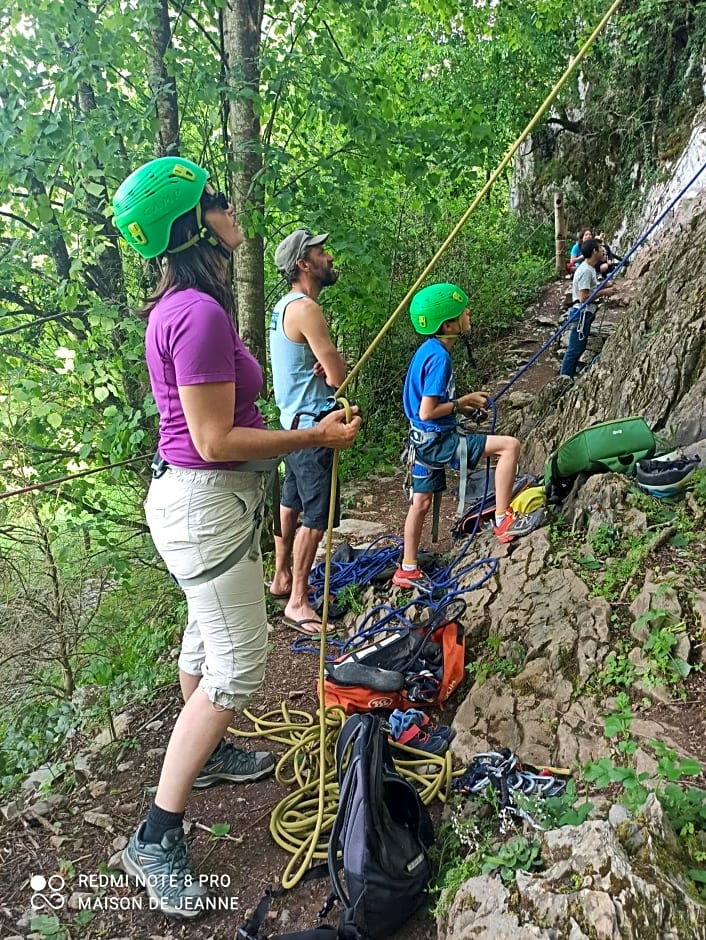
{"x":420,"y":664}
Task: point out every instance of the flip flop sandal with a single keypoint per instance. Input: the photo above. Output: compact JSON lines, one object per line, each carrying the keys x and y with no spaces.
{"x":298,"y":625}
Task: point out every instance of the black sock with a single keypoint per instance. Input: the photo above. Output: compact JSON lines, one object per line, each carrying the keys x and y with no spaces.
{"x":158,"y":822}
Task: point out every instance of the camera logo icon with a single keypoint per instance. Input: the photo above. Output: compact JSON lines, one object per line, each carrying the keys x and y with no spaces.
{"x":47,"y":892}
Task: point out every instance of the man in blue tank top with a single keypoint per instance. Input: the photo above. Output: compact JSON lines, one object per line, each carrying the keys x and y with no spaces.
{"x":306,"y":370}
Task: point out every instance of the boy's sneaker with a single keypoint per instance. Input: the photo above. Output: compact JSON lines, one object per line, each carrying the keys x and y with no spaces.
{"x":408,"y":579}
{"x":420,"y":740}
{"x":163,"y":869}
{"x":234,"y":765}
{"x":442,"y":731}
{"x":513,"y":526}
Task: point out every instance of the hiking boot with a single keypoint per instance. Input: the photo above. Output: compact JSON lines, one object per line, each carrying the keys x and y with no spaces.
{"x":163,"y":869}
{"x":513,"y":526}
{"x":408,"y":579}
{"x":234,"y":765}
{"x":421,"y":740}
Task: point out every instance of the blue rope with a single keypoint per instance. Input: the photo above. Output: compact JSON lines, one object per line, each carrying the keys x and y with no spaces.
{"x":578,"y":310}
{"x":441,"y":588}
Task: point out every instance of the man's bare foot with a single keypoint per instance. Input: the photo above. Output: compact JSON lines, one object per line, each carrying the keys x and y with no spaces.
{"x":303,"y":613}
{"x":280,"y":587}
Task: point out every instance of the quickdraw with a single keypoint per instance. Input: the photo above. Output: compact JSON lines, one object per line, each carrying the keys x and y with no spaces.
{"x":504,"y":772}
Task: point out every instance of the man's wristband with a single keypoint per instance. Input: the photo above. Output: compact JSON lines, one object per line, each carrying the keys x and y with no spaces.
{"x":454,"y":406}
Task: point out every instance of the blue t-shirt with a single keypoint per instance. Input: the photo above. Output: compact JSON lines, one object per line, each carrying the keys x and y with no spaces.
{"x":430,"y":374}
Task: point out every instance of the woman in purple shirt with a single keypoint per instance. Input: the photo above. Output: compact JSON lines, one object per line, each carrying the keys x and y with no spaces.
{"x":205,"y":503}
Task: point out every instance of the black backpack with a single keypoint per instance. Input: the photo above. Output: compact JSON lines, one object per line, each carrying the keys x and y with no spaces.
{"x":383,"y":830}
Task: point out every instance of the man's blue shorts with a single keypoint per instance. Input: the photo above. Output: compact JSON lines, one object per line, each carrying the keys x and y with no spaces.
{"x":307,"y":486}
{"x":442,"y":450}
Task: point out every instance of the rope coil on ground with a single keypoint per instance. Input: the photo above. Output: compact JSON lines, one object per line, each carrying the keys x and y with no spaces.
{"x":302,"y":821}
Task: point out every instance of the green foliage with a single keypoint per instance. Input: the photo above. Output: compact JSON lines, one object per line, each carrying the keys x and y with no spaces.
{"x":618,"y":722}
{"x":519,"y":854}
{"x":121,"y":656}
{"x":698,"y":488}
{"x":684,"y":806}
{"x":48,"y":926}
{"x":617,"y":671}
{"x":348,"y":598}
{"x":219,"y":830}
{"x":605,"y":539}
{"x":491,"y":663}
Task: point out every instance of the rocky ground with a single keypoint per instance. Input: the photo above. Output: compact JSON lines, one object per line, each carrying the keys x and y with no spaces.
{"x":78,"y":832}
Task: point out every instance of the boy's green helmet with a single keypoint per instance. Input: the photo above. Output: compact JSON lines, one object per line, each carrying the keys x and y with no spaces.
{"x":150,"y":200}
{"x":434,"y":305}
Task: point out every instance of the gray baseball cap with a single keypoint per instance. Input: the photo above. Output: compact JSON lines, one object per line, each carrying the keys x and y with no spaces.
{"x":294,"y":246}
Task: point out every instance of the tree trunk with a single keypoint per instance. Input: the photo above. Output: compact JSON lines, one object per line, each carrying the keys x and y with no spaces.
{"x":163,"y":87}
{"x":560,"y":233}
{"x":242,"y":22}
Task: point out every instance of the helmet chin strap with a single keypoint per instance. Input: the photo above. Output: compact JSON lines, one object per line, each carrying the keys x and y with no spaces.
{"x":203,"y":234}
{"x":466,"y":340}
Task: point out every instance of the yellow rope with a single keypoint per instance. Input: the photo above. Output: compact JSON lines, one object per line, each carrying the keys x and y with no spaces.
{"x":316,"y":798}
{"x":302,"y":821}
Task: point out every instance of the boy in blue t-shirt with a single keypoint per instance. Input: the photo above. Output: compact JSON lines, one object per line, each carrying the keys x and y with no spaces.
{"x":440,"y":312}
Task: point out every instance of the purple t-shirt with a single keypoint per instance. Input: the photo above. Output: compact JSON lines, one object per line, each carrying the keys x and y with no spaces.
{"x":191,"y":340}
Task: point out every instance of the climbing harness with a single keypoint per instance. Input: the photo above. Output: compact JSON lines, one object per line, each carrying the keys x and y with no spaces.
{"x":250,"y":545}
{"x":585,"y":320}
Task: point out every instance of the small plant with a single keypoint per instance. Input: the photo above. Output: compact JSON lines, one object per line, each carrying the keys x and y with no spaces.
{"x":606,"y":539}
{"x":494,"y":664}
{"x":219,"y":830}
{"x":349,"y":599}
{"x":617,"y":671}
{"x":48,"y":927}
{"x":617,"y":724}
{"x":604,"y":773}
{"x":554,"y":811}
{"x":519,"y":854}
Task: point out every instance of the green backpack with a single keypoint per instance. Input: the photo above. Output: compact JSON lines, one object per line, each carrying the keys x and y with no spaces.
{"x":609,"y":447}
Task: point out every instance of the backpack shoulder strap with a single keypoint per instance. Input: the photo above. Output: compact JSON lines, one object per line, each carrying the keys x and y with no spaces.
{"x":347,"y":737}
{"x":363,"y":733}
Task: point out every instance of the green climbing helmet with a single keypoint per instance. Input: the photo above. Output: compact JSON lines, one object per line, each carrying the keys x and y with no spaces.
{"x":150,"y":200}
{"x":434,"y":305}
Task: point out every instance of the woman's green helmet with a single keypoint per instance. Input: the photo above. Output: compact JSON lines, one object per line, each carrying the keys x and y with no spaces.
{"x":150,"y":200}
{"x":436,"y":304}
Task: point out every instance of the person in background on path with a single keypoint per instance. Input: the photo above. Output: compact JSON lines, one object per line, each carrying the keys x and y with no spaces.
{"x":440,"y":312}
{"x":306,"y":370}
{"x":584,"y":283}
{"x":576,"y":257}
{"x":611,"y":259}
{"x":205,"y":503}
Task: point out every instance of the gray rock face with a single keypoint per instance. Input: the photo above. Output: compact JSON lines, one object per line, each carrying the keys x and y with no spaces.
{"x":603,"y":881}
{"x":546,"y":622}
{"x":616,"y":879}
{"x":653,"y":363}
